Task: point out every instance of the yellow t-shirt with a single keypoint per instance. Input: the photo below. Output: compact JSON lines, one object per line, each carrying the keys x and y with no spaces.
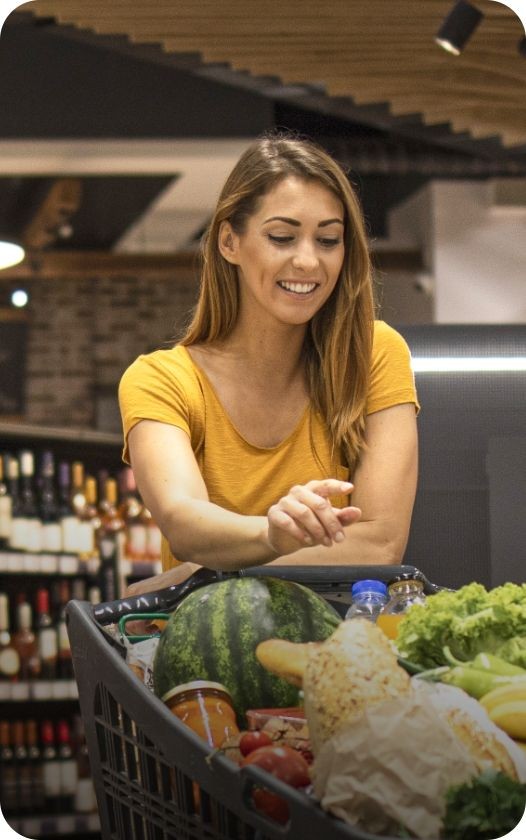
{"x":168,"y":386}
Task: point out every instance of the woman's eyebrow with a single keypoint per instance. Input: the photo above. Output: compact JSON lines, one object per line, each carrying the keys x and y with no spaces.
{"x":298,"y":224}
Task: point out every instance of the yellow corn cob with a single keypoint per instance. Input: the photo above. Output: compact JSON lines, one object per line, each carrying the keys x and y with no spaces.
{"x":510,"y":693}
{"x":511,"y":717}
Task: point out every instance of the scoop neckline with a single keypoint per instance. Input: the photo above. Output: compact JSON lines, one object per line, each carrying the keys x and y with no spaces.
{"x":205,"y":378}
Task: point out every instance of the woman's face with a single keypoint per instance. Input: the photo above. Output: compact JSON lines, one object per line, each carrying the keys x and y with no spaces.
{"x":290,"y":255}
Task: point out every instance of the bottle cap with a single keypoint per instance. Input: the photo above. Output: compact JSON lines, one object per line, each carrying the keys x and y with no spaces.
{"x":410,"y":580}
{"x":416,"y":575}
{"x":362,"y":586}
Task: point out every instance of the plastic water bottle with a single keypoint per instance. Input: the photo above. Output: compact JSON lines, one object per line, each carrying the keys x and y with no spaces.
{"x":368,"y":598}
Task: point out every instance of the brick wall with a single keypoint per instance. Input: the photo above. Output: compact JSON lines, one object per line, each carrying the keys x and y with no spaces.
{"x":84,"y":333}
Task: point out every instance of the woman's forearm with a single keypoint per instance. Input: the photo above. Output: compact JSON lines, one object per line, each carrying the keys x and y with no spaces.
{"x":201,"y":532}
{"x":365,"y":544}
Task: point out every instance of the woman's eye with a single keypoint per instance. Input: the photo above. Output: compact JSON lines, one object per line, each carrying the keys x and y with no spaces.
{"x":280,"y":240}
{"x":329,"y":243}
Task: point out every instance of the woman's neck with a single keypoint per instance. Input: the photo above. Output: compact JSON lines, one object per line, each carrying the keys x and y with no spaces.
{"x":266,"y":353}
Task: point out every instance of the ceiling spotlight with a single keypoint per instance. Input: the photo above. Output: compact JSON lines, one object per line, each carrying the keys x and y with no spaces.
{"x":458,"y":27}
{"x":10,"y":254}
{"x":19,"y":298}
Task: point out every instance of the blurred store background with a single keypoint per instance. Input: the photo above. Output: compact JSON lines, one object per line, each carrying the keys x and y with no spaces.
{"x":118,"y":124}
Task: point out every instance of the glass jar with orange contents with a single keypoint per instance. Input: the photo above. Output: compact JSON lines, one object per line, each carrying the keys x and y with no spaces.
{"x":403,"y":593}
{"x":206,"y":707}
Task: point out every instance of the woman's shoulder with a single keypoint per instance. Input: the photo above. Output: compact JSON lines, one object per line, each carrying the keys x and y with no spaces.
{"x":385,"y":337}
{"x":172,"y":363}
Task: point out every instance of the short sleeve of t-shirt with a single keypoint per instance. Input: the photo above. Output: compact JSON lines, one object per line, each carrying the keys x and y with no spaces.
{"x":159,"y":386}
{"x":392,"y":380}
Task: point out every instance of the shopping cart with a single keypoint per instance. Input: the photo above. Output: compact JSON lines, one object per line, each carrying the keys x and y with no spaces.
{"x":154,"y":778}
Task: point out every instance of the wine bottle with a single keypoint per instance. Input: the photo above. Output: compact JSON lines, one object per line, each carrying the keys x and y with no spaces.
{"x":48,"y":505}
{"x":22,"y":768}
{"x":67,"y":514}
{"x":85,"y":801}
{"x":28,"y":502}
{"x":34,"y":756}
{"x":68,"y":768}
{"x":8,"y":785}
{"x":25,"y":642}
{"x":131,"y":512}
{"x":110,"y":542}
{"x":50,"y":768}
{"x":9,"y":657}
{"x":18,"y":538}
{"x":89,"y":520}
{"x":46,"y":637}
{"x":78,"y":589}
{"x":64,"y":657}
{"x":5,"y":508}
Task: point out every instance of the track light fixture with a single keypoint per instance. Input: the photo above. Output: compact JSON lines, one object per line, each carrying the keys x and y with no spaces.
{"x":10,"y":253}
{"x":458,"y":27}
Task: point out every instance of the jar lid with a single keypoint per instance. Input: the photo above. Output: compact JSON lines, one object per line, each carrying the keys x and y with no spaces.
{"x":369,"y":586}
{"x":194,"y":686}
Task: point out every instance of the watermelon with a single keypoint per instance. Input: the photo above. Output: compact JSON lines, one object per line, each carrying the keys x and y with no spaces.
{"x":213,"y":634}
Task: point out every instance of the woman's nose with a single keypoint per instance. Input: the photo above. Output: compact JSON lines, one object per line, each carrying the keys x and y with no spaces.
{"x":305,"y":256}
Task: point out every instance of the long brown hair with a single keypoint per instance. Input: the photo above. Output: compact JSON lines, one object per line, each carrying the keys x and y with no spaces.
{"x":338,"y":340}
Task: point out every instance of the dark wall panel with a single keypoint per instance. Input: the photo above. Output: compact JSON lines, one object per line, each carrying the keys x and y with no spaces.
{"x":469,"y":521}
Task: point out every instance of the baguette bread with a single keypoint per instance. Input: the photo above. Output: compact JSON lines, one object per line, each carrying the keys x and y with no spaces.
{"x":354,"y":668}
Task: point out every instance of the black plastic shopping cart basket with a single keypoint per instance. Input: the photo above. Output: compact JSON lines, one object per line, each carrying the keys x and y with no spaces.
{"x":154,"y":778}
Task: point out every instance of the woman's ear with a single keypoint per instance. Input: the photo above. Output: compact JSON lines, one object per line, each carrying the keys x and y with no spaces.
{"x":227,"y":243}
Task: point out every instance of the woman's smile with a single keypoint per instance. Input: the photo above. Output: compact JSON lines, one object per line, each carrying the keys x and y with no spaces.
{"x":302,"y":288}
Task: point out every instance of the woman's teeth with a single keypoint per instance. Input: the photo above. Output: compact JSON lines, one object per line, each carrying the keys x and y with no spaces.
{"x":298,"y":288}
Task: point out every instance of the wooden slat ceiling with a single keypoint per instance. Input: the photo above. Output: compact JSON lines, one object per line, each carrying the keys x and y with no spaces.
{"x":374,"y":51}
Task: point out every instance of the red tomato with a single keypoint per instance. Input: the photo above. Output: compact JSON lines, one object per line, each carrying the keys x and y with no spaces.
{"x":271,"y":804}
{"x":250,"y":741}
{"x":284,"y":763}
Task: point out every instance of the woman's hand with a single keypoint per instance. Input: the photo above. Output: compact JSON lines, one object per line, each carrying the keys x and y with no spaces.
{"x":305,"y":516}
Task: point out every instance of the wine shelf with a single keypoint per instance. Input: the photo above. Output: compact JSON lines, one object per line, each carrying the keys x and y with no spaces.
{"x":62,"y":824}
{"x":20,"y":562}
{"x":44,"y":690}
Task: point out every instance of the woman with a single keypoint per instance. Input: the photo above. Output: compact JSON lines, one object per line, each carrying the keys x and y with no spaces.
{"x":242,"y":437}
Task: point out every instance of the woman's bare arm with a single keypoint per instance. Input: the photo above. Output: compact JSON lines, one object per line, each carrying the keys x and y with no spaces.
{"x":201,"y":532}
{"x":385,"y":487}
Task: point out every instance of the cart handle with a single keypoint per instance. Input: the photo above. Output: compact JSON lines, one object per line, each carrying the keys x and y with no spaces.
{"x":165,"y":600}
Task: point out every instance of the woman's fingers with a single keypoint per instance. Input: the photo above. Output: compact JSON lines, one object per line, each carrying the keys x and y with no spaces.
{"x":329,"y":487}
{"x":315,"y":513}
{"x":307,"y":515}
{"x":348,"y":515}
{"x":279,"y":518}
